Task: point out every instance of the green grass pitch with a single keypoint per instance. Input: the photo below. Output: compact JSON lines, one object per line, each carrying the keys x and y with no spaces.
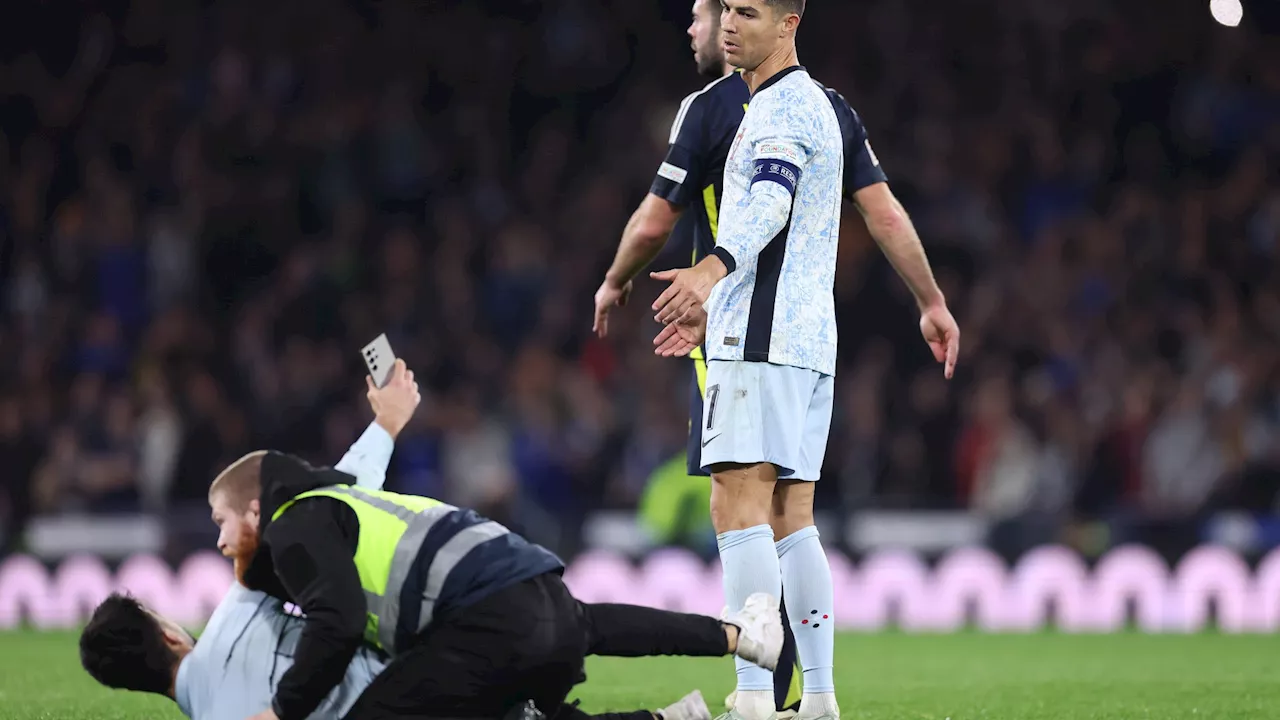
{"x":885,"y":676}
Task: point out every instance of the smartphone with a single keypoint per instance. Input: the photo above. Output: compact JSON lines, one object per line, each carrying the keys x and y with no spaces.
{"x":380,"y":359}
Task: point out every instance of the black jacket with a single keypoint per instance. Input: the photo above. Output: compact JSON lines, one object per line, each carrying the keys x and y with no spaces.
{"x":307,"y":557}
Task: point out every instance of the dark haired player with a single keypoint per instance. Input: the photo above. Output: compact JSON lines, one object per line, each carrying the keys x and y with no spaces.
{"x":685,"y":201}
{"x":762,"y":307}
{"x":683,"y":204}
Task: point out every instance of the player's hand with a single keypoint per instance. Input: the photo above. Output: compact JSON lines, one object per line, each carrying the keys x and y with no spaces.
{"x":607,"y":296}
{"x":680,"y":337}
{"x":943,"y":335}
{"x":689,"y":288}
{"x":266,"y":715}
{"x":393,"y":405}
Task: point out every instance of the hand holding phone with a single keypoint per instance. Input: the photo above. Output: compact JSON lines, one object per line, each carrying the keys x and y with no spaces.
{"x":393,"y":394}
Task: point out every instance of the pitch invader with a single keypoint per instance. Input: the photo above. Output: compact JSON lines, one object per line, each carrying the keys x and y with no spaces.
{"x":762,"y":305}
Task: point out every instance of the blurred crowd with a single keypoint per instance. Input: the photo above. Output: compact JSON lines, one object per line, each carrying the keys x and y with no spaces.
{"x":207,"y":208}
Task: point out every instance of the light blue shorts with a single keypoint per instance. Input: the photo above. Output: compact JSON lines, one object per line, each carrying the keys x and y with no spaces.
{"x":758,"y":412}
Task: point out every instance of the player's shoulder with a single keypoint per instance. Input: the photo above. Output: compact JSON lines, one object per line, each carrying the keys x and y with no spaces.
{"x":844,"y":110}
{"x":851,"y":125}
{"x":731,"y":89}
{"x":835,"y":97}
{"x":726,"y":93}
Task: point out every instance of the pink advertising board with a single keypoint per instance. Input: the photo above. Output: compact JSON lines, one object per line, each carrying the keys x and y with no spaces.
{"x":1048,"y":586}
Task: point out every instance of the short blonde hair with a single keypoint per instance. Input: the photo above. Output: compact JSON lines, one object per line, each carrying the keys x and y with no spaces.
{"x":241,"y":482}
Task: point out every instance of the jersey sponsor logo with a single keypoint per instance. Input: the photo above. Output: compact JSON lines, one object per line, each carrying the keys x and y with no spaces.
{"x":875,"y":161}
{"x":672,"y":173}
{"x":779,"y":151}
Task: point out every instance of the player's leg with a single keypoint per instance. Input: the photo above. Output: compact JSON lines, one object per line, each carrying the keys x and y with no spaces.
{"x":749,"y":564}
{"x":786,"y":682}
{"x":751,"y":432}
{"x":806,"y":574}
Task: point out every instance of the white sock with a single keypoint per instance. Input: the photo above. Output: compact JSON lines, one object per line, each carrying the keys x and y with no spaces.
{"x":814,"y":705}
{"x":750,"y":564}
{"x":806,"y":579}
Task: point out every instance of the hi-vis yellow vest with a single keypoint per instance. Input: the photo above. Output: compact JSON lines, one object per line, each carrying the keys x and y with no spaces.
{"x":392,"y":528}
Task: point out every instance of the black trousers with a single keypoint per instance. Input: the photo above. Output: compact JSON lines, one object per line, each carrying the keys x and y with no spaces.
{"x":527,"y":642}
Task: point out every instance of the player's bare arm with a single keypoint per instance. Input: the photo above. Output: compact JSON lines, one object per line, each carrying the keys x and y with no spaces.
{"x":642,"y":239}
{"x":893,"y":231}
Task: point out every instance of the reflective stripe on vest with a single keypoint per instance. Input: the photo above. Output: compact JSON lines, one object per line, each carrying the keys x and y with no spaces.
{"x":414,"y":518}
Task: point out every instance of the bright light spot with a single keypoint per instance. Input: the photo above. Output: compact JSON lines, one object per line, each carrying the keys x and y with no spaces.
{"x":1227,"y":12}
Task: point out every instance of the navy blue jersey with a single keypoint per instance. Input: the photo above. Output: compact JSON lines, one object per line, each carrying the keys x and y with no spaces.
{"x":861,"y":166}
{"x":692,"y":178}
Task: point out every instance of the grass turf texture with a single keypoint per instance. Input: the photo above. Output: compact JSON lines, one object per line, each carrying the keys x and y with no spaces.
{"x":1019,"y":677}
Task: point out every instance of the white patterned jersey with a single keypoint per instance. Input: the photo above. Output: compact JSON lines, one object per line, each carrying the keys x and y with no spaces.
{"x":780,"y":228}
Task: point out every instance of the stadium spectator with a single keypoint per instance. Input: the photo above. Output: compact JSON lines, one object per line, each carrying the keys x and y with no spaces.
{"x":205,"y":215}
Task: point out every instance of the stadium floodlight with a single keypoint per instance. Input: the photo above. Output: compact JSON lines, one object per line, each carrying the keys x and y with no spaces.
{"x":1226,"y":12}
